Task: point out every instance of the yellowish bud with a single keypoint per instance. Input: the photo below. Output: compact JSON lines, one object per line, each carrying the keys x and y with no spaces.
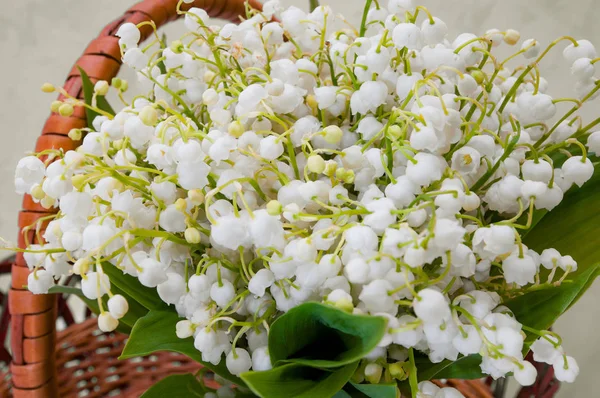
{"x":47,"y":202}
{"x":478,"y":75}
{"x":177,"y":46}
{"x":394,"y":131}
{"x":116,"y":82}
{"x":196,"y":196}
{"x":274,"y":208}
{"x":148,"y":115}
{"x":330,"y":168}
{"x":124,"y":85}
{"x":315,"y":164}
{"x":397,"y":371}
{"x":311,"y":101}
{"x":37,"y":192}
{"x":75,"y":134}
{"x":333,"y":134}
{"x":236,"y":129}
{"x":192,"y":235}
{"x":55,"y":105}
{"x":78,"y":181}
{"x":181,"y":204}
{"x":511,"y":37}
{"x":117,"y":144}
{"x":48,"y":88}
{"x":65,"y":109}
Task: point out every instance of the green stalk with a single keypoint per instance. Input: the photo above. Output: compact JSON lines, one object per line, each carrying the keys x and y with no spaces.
{"x":363,"y":23}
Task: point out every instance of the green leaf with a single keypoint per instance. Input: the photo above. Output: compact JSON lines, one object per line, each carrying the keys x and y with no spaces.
{"x":466,"y":368}
{"x":148,"y":297}
{"x":88,"y":94}
{"x":185,"y":385}
{"x":319,"y":335}
{"x":298,"y":381}
{"x":372,"y":390}
{"x":539,"y":309}
{"x":156,"y":332}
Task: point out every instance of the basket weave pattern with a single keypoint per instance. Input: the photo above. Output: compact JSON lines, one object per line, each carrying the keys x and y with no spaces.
{"x":81,"y":359}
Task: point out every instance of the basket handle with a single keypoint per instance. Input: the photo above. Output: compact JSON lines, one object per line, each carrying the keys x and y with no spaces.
{"x":33,"y":326}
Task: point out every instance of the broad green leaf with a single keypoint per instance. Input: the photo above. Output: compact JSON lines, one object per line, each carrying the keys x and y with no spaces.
{"x":185,"y":385}
{"x":319,"y":335}
{"x":372,"y":390}
{"x":148,"y":297}
{"x":298,"y":381}
{"x":156,"y":332}
{"x":539,"y":309}
{"x":88,"y":93}
{"x":466,"y":368}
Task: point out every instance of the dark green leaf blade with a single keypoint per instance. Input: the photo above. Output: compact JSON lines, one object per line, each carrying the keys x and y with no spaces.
{"x":146,"y":296}
{"x":156,"y":332}
{"x":185,"y":385}
{"x":298,"y":381}
{"x":88,"y":94}
{"x":319,"y":335}
{"x":372,"y":390}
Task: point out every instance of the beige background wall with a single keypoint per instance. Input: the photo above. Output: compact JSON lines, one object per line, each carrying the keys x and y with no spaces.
{"x":40,"y":39}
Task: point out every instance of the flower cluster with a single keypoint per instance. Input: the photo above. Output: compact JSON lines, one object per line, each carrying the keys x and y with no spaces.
{"x":387,"y":171}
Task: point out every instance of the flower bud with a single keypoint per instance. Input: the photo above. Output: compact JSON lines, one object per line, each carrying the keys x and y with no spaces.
{"x":101,"y":87}
{"x":106,"y":322}
{"x":511,"y":37}
{"x":373,"y":373}
{"x":55,"y":105}
{"x":192,"y":235}
{"x":397,"y":371}
{"x":274,"y":208}
{"x":177,"y":46}
{"x":478,"y":75}
{"x":47,"y":202}
{"x":37,"y":192}
{"x":330,"y":168}
{"x":180,"y":204}
{"x":116,"y":83}
{"x":196,"y":196}
{"x":117,"y":144}
{"x":75,"y":134}
{"x":184,"y":329}
{"x":65,"y":109}
{"x":118,"y":306}
{"x":312,"y":103}
{"x":394,"y":131}
{"x":333,"y":134}
{"x":124,"y":85}
{"x":148,"y":115}
{"x":48,"y":88}
{"x":78,"y":180}
{"x":315,"y":164}
{"x":236,"y":129}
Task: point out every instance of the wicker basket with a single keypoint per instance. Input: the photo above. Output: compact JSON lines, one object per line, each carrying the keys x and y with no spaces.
{"x":81,"y":360}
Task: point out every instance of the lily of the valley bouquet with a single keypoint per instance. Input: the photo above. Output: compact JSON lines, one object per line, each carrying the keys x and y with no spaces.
{"x":311,"y":212}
